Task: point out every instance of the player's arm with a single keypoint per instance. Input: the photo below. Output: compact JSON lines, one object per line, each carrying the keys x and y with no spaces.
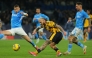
{"x":45,"y":17}
{"x":59,"y":27}
{"x":36,"y":29}
{"x":52,"y":24}
{"x":24,"y":14}
{"x":87,"y":17}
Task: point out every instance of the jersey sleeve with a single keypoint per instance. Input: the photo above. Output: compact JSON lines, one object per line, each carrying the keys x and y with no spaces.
{"x":51,"y":24}
{"x":45,"y":17}
{"x":86,"y":15}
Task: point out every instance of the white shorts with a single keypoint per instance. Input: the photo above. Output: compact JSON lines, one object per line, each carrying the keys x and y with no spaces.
{"x":18,"y":31}
{"x":40,"y":30}
{"x":76,"y":32}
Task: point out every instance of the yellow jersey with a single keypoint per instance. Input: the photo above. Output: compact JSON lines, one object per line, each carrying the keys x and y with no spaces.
{"x":86,"y":21}
{"x":50,"y":26}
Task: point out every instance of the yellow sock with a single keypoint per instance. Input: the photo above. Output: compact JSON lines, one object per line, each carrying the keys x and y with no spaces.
{"x":58,"y":51}
{"x":36,"y":52}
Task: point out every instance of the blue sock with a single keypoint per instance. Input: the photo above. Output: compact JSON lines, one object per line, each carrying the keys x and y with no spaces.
{"x":36,"y":36}
{"x":1,"y":36}
{"x":33,"y":44}
{"x":44,"y":37}
{"x":69,"y":47}
{"x":80,"y":44}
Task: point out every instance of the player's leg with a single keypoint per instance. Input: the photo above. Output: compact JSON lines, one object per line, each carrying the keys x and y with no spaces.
{"x":21,"y":32}
{"x":6,"y":32}
{"x":29,"y":40}
{"x":85,"y":35}
{"x":54,"y":47}
{"x":70,"y":38}
{"x":80,"y":44}
{"x":37,"y":37}
{"x":73,"y":39}
{"x":46,"y":43}
{"x":69,"y":45}
{"x":56,"y":39}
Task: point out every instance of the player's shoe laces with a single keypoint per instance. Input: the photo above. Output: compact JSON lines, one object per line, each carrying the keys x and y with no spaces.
{"x":33,"y":53}
{"x":67,"y":53}
{"x":37,"y":41}
{"x":58,"y":53}
{"x":84,"y":49}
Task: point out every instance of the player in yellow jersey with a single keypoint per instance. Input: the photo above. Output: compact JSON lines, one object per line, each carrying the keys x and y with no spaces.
{"x":55,"y":37}
{"x":86,"y":26}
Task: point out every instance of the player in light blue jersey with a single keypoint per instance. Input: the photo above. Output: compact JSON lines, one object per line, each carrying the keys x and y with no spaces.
{"x":37,"y":16}
{"x":80,"y":16}
{"x":16,"y":27}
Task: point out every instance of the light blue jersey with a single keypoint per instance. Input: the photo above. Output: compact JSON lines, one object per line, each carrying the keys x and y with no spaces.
{"x":80,"y":16}
{"x":16,"y":19}
{"x":37,"y":17}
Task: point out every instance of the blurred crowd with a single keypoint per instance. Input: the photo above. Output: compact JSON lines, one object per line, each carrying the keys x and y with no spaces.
{"x":57,"y":10}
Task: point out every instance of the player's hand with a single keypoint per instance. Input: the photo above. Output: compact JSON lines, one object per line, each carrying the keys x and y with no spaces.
{"x":89,"y":29}
{"x":64,"y":33}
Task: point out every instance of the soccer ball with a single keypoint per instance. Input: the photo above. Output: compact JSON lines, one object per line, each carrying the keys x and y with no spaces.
{"x":16,"y":47}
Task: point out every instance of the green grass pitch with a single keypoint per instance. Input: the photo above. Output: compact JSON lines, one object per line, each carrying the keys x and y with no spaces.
{"x":6,"y":50}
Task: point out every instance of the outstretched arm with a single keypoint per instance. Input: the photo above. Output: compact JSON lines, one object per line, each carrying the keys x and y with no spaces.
{"x":24,"y":14}
{"x":35,"y":30}
{"x":61,"y":29}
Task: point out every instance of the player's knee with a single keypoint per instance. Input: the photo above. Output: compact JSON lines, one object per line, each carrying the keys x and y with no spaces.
{"x":74,"y":40}
{"x":52,"y":44}
{"x":40,"y":33}
{"x":70,"y":38}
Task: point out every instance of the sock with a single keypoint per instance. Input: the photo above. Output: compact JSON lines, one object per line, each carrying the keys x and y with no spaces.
{"x":38,"y":51}
{"x":56,"y":49}
{"x":44,"y":37}
{"x":69,"y":47}
{"x":1,"y":36}
{"x":80,"y":44}
{"x":36,"y":36}
{"x":33,"y":44}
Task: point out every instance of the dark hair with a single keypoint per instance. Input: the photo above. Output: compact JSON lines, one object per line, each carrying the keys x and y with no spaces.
{"x":38,"y":8}
{"x":16,"y":5}
{"x":79,"y":3}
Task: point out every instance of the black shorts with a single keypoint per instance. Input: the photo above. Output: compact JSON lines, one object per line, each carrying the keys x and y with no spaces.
{"x":56,"y":37}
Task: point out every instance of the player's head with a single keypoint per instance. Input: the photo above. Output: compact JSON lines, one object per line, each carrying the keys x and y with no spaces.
{"x":16,"y":8}
{"x":88,"y":11}
{"x":69,"y":19}
{"x":42,"y":21}
{"x":79,"y":6}
{"x":38,"y":10}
